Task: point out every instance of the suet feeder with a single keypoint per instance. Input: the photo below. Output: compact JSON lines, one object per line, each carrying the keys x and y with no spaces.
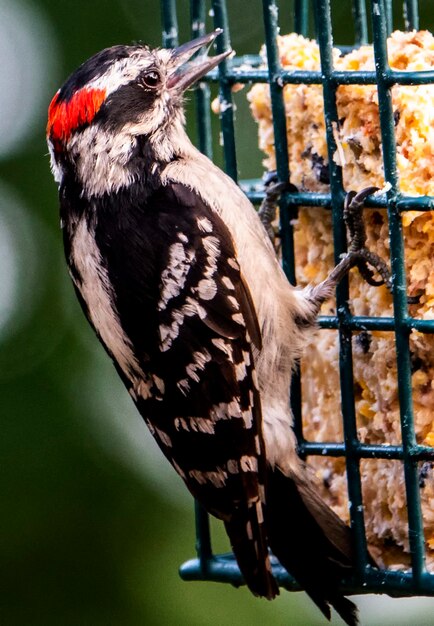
{"x":376,"y":17}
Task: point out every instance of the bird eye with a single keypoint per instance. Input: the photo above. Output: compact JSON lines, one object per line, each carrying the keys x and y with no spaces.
{"x":151,"y":79}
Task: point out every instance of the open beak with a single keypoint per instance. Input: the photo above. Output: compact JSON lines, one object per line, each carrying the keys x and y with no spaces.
{"x":186,"y":71}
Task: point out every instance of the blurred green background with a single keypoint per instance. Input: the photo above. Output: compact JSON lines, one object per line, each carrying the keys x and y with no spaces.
{"x":94,"y":524}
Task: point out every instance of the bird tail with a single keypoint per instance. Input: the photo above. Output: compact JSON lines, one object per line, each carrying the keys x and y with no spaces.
{"x":310,"y":541}
{"x":246,"y":531}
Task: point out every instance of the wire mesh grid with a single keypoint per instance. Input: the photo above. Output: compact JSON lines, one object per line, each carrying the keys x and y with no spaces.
{"x":223,"y":568}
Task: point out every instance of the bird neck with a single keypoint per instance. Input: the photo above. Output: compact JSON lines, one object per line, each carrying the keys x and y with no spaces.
{"x":170,"y":142}
{"x":102,"y":162}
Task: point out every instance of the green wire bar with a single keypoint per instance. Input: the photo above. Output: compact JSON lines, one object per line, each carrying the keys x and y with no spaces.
{"x":287,"y":213}
{"x":301,"y":17}
{"x":374,"y":16}
{"x":411,"y":15}
{"x":415,"y":522}
{"x":225,"y":93}
{"x":203,"y":100}
{"x":203,"y":115}
{"x":169,"y":24}
{"x":360,"y":22}
{"x":325,"y":41}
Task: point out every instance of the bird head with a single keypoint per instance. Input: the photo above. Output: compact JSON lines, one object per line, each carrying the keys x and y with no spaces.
{"x":118,"y":95}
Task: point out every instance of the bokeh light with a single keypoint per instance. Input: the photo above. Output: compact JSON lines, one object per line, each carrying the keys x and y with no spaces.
{"x":29,"y":53}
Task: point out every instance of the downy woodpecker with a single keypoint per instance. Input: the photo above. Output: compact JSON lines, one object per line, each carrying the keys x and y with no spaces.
{"x":175,"y":273}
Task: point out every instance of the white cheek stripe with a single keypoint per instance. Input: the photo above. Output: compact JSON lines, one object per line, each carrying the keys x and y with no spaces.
{"x":95,"y":290}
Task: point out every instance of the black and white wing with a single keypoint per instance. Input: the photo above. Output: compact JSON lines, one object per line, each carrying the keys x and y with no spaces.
{"x":189,"y":319}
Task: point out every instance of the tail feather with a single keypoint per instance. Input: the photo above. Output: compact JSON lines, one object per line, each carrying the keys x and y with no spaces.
{"x":335,"y":530}
{"x":310,"y":541}
{"x":246,"y":532}
{"x":346,"y":609}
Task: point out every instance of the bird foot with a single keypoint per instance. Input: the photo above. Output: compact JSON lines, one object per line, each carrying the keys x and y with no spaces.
{"x":267,"y":211}
{"x":358,"y":254}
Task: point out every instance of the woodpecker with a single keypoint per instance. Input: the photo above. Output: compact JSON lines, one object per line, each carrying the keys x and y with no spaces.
{"x":176,"y":275}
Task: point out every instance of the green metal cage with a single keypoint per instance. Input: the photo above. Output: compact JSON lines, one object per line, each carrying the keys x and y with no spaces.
{"x":380,"y":13}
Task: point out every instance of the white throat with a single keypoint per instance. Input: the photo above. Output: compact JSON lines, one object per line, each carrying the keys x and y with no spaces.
{"x":105,"y":162}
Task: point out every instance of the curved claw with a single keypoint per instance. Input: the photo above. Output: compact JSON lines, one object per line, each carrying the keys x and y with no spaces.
{"x":353,"y":217}
{"x":361,"y":259}
{"x":354,"y":221}
{"x":367,"y":257}
{"x":358,"y":254}
{"x":273,"y":190}
{"x":355,"y":199}
{"x":368,"y":275}
{"x":270,"y":177}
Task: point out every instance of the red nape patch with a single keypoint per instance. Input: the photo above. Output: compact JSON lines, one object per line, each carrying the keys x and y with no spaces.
{"x":64,"y":117}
